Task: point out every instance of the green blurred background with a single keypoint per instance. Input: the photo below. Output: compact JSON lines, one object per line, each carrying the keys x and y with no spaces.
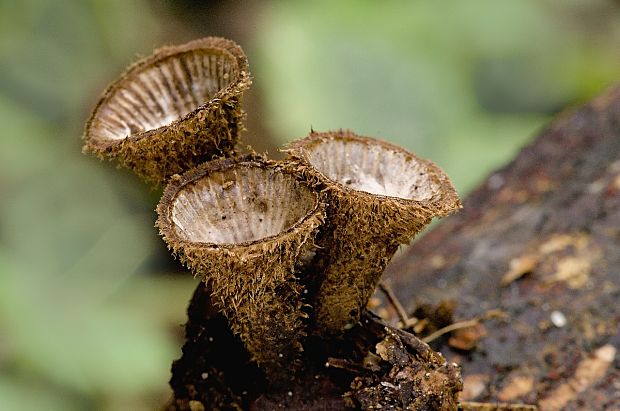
{"x":91,"y":305}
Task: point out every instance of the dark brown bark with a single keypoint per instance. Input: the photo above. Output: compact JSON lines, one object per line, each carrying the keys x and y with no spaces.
{"x":540,"y":241}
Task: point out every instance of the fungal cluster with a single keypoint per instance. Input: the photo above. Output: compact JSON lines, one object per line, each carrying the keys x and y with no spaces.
{"x":289,"y":249}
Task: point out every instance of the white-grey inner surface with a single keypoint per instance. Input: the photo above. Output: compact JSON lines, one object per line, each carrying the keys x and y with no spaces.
{"x":163,"y":92}
{"x":372,"y":168}
{"x":240,"y":205}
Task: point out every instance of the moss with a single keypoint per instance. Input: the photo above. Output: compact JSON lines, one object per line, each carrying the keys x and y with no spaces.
{"x":254,"y":282}
{"x":363,"y":229}
{"x":173,"y":110}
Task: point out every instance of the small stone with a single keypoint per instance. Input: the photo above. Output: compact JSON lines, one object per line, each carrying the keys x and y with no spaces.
{"x":204,"y":375}
{"x":558,"y":319}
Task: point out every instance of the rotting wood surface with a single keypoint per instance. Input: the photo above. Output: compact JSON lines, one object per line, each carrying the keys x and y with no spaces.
{"x":539,"y":241}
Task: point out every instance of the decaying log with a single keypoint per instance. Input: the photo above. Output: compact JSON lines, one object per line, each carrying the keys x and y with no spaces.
{"x":540,"y":242}
{"x":534,"y":255}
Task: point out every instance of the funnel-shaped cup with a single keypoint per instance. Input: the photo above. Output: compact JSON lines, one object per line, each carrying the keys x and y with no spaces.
{"x":379,"y":196}
{"x":173,"y":110}
{"x":245,"y":227}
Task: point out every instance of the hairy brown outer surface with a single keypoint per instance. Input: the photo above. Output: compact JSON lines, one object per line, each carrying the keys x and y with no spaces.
{"x":209,"y":131}
{"x":540,"y":237}
{"x":362,"y":231}
{"x":254,"y":283}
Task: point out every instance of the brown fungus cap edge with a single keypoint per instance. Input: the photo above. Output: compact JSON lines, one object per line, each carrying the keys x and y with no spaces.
{"x":155,"y":161}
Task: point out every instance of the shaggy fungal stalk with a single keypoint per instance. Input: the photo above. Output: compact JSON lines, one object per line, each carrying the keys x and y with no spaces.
{"x":379,"y":197}
{"x":173,"y":110}
{"x":244,"y":227}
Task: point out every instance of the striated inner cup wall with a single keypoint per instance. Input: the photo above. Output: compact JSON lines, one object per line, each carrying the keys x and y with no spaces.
{"x":239,"y":205}
{"x":372,"y":169}
{"x":163,"y":92}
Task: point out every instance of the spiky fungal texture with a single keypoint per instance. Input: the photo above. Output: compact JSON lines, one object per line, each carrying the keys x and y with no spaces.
{"x":244,"y":226}
{"x":172,"y":110}
{"x":379,"y":196}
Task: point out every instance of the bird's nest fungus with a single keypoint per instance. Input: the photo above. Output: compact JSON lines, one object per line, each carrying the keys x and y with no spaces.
{"x":289,"y":251}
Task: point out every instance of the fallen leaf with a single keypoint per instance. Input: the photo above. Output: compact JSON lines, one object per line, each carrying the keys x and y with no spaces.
{"x":518,"y":386}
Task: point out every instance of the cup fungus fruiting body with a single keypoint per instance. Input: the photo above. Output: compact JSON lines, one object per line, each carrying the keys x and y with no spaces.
{"x":173,"y":110}
{"x":379,"y":197}
{"x":243,"y":227}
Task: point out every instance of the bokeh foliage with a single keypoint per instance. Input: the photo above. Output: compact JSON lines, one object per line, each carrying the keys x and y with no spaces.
{"x":87,"y":320}
{"x":462,"y":82}
{"x":81,"y":325}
